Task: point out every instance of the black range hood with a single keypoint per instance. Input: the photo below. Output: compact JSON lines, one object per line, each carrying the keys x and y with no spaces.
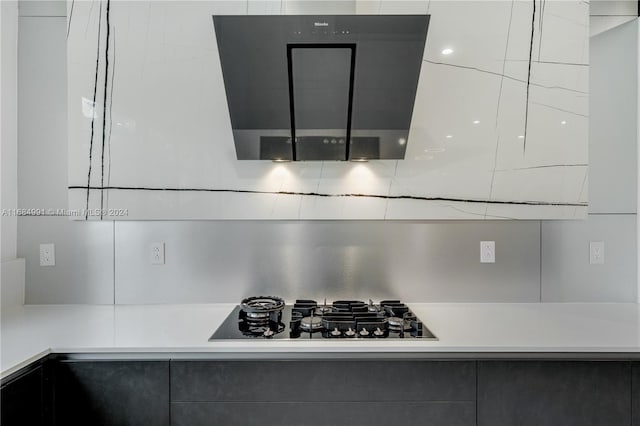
{"x":305,"y":88}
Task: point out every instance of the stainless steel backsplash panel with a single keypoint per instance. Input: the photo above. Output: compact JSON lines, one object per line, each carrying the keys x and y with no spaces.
{"x":215,"y":261}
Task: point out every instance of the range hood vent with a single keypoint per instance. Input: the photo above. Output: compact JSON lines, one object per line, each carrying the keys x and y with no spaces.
{"x":315,"y":88}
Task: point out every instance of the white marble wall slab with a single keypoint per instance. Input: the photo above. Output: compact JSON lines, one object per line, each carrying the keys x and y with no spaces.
{"x":150,"y":136}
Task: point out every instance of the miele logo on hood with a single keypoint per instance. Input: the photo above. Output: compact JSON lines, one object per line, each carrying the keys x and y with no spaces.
{"x":320,"y":24}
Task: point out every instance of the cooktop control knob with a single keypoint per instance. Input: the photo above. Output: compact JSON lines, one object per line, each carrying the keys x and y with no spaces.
{"x":378,"y":332}
{"x":336,"y":332}
{"x":350,"y":332}
{"x":268,"y":333}
{"x":364,"y":332}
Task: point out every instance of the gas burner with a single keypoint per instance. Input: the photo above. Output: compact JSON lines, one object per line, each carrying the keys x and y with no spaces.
{"x":398,"y":324}
{"x":394,"y":308}
{"x":324,"y":309}
{"x":257,"y":316}
{"x":253,"y":322}
{"x":262,"y":304}
{"x":395,"y":322}
{"x":311,"y":324}
{"x":261,"y":316}
{"x":372,"y":307}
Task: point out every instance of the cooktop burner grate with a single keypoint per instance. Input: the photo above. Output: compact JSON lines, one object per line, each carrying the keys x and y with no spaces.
{"x":257,"y":305}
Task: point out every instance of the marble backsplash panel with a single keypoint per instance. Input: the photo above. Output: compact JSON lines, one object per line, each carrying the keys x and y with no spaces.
{"x":499,"y":128}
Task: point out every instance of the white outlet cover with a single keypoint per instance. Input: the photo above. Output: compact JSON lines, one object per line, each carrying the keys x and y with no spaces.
{"x":47,"y":254}
{"x":487,"y":252}
{"x":596,"y":252}
{"x":156,"y":253}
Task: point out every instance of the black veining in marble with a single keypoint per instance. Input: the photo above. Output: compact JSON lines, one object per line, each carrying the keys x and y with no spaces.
{"x":575,"y":64}
{"x":526,"y":111}
{"x":73,"y":2}
{"x":495,"y":163}
{"x":483,"y":215}
{"x":543,"y":4}
{"x":544,"y":167}
{"x":93,"y":111}
{"x":104,"y":104}
{"x":510,"y":77}
{"x":504,"y":64}
{"x":113,"y":73}
{"x":584,"y":182}
{"x":560,"y":109}
{"x":317,"y":194}
{"x":86,"y":28}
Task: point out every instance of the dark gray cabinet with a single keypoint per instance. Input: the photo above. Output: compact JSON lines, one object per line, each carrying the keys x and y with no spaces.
{"x":635,"y":394}
{"x":111,"y":393}
{"x":310,"y":392}
{"x":317,"y":392}
{"x":550,"y":393}
{"x":22,"y":401}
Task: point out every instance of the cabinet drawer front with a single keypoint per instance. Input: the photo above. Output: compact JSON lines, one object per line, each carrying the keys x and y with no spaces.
{"x":22,"y":400}
{"x":323,"y":413}
{"x":635,"y":396}
{"x":111,"y":393}
{"x":563,"y":393}
{"x":323,"y":380}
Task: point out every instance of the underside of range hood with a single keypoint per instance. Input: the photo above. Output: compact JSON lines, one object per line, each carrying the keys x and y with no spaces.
{"x":305,"y":88}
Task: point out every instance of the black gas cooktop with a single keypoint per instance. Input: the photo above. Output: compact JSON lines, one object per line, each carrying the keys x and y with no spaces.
{"x":268,"y":317}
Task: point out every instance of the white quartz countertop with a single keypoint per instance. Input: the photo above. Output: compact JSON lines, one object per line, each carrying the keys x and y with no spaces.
{"x":29,"y":332}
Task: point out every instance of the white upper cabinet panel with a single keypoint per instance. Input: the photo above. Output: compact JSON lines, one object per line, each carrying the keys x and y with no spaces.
{"x":499,"y":127}
{"x":614,"y":136}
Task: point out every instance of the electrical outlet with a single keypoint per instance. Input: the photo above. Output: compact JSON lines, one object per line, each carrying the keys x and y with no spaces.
{"x":157,"y":253}
{"x":47,"y":254}
{"x":487,"y":252}
{"x":596,"y":252}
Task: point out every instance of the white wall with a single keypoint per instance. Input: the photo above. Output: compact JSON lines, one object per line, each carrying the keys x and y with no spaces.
{"x":607,"y":14}
{"x":84,"y":254}
{"x":219,"y":261}
{"x":12,"y":270}
{"x":9,"y":124}
{"x":613,"y":190}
